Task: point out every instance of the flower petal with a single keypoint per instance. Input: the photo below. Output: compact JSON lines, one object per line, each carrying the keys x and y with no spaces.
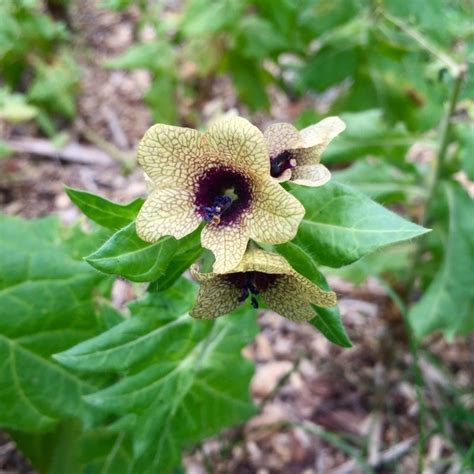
{"x":227,"y":243}
{"x":311,"y":175}
{"x":322,"y":132}
{"x":316,"y":138}
{"x":168,"y":211}
{"x":281,"y":137}
{"x":287,"y":298}
{"x":215,"y":298}
{"x":314,"y":294}
{"x":200,"y":276}
{"x":275,"y":215}
{"x":258,"y":260}
{"x":236,"y":143}
{"x":171,"y":156}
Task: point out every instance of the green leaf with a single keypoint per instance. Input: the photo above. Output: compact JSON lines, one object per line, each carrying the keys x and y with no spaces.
{"x":138,"y":337}
{"x":380,"y":181}
{"x":155,"y":56}
{"x":5,"y":150}
{"x":249,"y":79}
{"x":70,"y":450}
{"x":106,"y":213}
{"x":257,"y":38}
{"x":162,"y":99}
{"x":176,"y":378}
{"x":203,"y":17}
{"x":368,"y":134}
{"x":448,"y":303}
{"x":465,"y":134}
{"x":329,"y":66}
{"x":47,"y":301}
{"x":14,"y":108}
{"x":342,"y":225}
{"x":56,"y":84}
{"x":392,"y":262}
{"x":189,"y":251}
{"x":127,"y":255}
{"x":327,"y":320}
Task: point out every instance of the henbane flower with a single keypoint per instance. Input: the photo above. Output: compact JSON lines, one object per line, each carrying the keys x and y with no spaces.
{"x":222,"y":177}
{"x":295,"y":155}
{"x":259,"y":274}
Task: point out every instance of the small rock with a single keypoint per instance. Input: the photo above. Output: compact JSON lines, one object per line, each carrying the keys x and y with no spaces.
{"x":267,"y":377}
{"x":263,"y":349}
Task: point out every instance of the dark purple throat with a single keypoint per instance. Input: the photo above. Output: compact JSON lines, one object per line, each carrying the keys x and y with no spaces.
{"x":281,"y":162}
{"x":251,"y":284}
{"x":222,"y":195}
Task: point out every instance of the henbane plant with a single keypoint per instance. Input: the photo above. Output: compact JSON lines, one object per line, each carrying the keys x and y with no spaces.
{"x":230,"y":190}
{"x":143,"y":383}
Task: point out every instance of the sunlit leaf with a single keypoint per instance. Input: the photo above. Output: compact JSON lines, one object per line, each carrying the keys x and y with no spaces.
{"x":342,"y":225}
{"x":106,"y":213}
{"x":47,"y":301}
{"x":177,"y":379}
{"x":127,"y":255}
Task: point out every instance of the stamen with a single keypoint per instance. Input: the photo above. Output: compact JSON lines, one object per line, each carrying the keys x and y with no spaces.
{"x":249,"y":289}
{"x":282,"y":162}
{"x":244,"y":295}
{"x":220,"y":205}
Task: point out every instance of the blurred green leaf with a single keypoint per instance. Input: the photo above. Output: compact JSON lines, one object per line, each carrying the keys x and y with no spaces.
{"x":342,"y":225}
{"x":177,"y":369}
{"x":329,"y":66}
{"x":161,"y":98}
{"x":55,"y":85}
{"x":5,"y":149}
{"x":448,"y":303}
{"x":211,"y":16}
{"x":127,"y":255}
{"x":14,"y":107}
{"x":257,"y":38}
{"x":391,"y":262}
{"x":367,"y":134}
{"x":380,"y":181}
{"x":465,"y":135}
{"x":250,"y":81}
{"x":155,"y":56}
{"x":106,"y":213}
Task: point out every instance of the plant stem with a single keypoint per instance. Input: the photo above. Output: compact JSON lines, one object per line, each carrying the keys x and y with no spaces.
{"x":443,"y":147}
{"x":454,"y":68}
{"x":437,"y":169}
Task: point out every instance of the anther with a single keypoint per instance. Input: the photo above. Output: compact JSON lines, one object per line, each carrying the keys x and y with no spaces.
{"x":220,"y":205}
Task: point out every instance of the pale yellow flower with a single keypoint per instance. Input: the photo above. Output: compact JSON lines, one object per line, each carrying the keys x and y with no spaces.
{"x":263,"y":274}
{"x":221,"y":176}
{"x":295,"y":155}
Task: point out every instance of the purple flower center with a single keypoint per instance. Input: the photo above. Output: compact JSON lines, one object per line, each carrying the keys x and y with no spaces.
{"x":222,"y":195}
{"x":282,"y":162}
{"x":251,"y":284}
